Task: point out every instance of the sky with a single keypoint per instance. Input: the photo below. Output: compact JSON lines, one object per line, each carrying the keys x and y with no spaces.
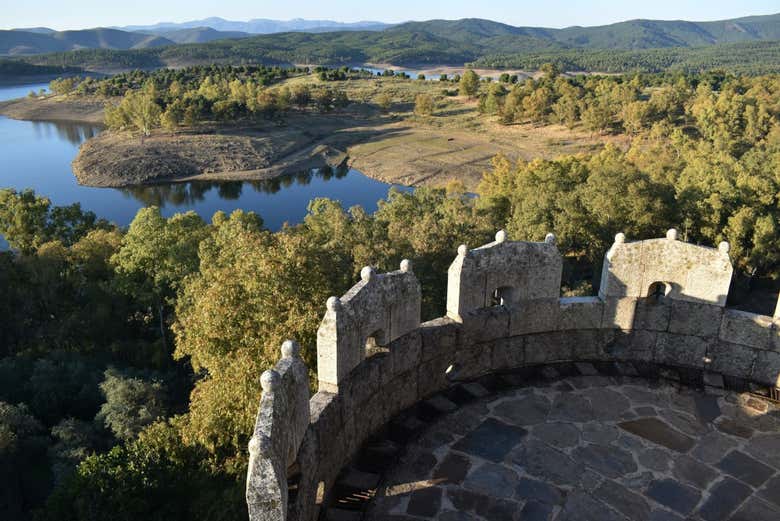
{"x":80,"y":14}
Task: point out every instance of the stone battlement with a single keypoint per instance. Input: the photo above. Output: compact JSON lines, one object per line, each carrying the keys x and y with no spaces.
{"x":661,"y":305}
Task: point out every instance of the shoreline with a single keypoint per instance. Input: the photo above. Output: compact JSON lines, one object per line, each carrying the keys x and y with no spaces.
{"x":390,"y":148}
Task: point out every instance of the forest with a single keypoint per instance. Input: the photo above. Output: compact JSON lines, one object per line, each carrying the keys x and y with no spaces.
{"x":157,"y":333}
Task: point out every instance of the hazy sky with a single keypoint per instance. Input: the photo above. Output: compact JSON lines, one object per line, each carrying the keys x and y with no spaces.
{"x":76,"y":14}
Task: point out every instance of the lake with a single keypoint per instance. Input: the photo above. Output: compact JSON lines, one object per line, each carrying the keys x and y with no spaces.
{"x":38,"y":155}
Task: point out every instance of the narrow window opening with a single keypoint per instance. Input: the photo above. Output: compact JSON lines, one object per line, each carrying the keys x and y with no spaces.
{"x":657,"y":291}
{"x":503,"y":296}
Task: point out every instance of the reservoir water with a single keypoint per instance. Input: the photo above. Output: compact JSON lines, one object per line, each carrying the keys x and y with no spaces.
{"x":38,"y":155}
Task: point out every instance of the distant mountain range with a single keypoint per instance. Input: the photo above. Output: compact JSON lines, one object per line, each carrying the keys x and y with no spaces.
{"x":430,"y":42}
{"x":261,"y":26}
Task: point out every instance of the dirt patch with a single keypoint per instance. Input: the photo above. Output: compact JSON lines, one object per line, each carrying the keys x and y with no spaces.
{"x":55,"y":108}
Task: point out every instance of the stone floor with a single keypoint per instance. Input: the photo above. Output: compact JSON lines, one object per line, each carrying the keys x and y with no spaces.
{"x":592,"y":448}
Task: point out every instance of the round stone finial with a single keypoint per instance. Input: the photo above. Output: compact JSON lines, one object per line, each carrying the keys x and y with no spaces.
{"x":550,"y":238}
{"x":406,"y":266}
{"x":671,"y":234}
{"x":366,"y":273}
{"x":269,"y":381}
{"x":290,"y":349}
{"x":620,"y":238}
{"x":463,"y":250}
{"x":724,"y":247}
{"x":333,"y":304}
{"x":501,"y":236}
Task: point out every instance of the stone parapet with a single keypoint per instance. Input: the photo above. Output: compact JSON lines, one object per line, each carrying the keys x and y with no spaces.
{"x":683,"y":326}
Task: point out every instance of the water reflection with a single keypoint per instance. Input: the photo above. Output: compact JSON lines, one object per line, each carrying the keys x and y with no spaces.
{"x":192,"y":192}
{"x":73,"y":133}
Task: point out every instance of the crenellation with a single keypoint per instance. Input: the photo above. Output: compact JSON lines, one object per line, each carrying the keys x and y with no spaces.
{"x":373,"y":313}
{"x":503,"y":273}
{"x":688,"y":272}
{"x":660,"y":312}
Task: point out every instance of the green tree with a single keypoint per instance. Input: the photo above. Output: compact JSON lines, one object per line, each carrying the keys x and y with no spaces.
{"x":156,"y":256}
{"x":424,"y":105}
{"x":138,"y":110}
{"x":133,"y":401}
{"x":469,"y":83}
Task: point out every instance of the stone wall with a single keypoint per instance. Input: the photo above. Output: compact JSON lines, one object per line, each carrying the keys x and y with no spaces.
{"x":661,"y":304}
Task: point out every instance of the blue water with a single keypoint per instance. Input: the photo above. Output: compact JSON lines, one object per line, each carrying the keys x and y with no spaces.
{"x":38,"y":155}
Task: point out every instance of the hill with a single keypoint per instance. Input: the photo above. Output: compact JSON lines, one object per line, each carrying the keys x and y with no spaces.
{"x":18,"y":42}
{"x":198,"y":35}
{"x":637,"y":45}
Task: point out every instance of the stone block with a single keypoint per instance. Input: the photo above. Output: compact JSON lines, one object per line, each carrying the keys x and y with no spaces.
{"x":473,"y":362}
{"x":652,"y":314}
{"x":767,"y":368}
{"x":619,"y":313}
{"x":438,"y":337}
{"x":774,"y":340}
{"x":508,"y":353}
{"x":693,"y":318}
{"x":543,"y":348}
{"x":589,"y":344}
{"x":402,"y":392}
{"x":370,"y":417}
{"x":405,"y":352}
{"x":328,"y":423}
{"x":432,"y":375}
{"x":680,"y":350}
{"x":731,"y":359}
{"x":363,"y":382}
{"x":483,"y":325}
{"x":637,"y":345}
{"x":749,"y":329}
{"x":534,"y":316}
{"x":580,"y":313}
{"x":714,"y":380}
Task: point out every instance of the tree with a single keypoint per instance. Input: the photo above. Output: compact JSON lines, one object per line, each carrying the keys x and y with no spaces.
{"x":550,"y":70}
{"x":384,"y":101}
{"x":156,"y":255}
{"x":424,"y":105}
{"x":22,"y":461}
{"x":138,"y":109}
{"x":493,"y":101}
{"x":469,"y":83}
{"x":635,"y":116}
{"x":27,"y":221}
{"x":300,"y":96}
{"x":254,"y":289}
{"x":63,"y":85}
{"x":133,"y":401}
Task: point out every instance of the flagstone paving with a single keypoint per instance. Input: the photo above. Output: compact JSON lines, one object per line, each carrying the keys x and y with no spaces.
{"x":594,"y":449}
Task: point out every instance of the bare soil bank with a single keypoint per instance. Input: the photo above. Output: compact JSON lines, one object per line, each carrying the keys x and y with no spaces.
{"x":55,"y":108}
{"x":116,"y":159}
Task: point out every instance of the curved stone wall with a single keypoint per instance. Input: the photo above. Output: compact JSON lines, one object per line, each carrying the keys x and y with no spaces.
{"x":683,"y":325}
